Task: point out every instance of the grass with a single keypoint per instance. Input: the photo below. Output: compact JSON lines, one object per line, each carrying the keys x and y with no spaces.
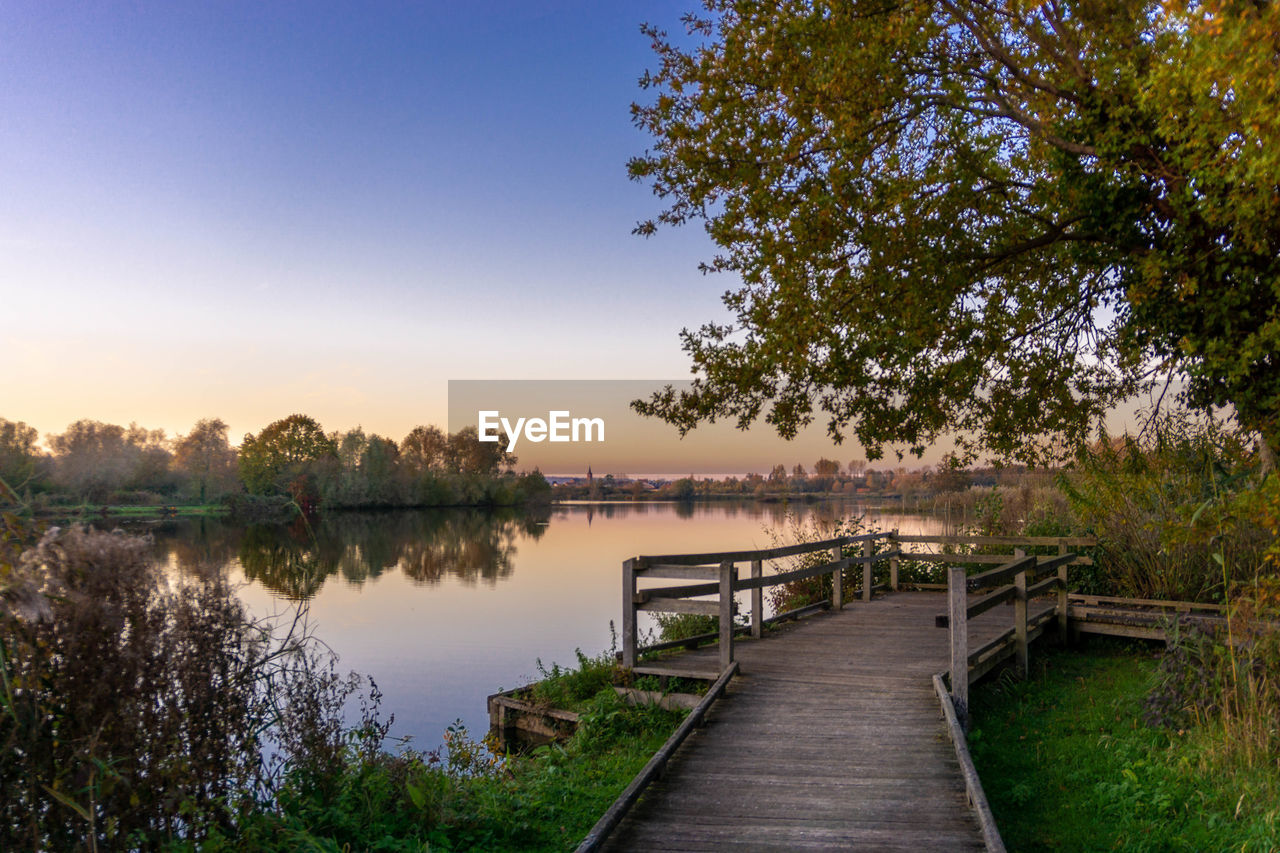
{"x":1068,"y":764}
{"x":463,"y":797}
{"x":573,"y":689}
{"x":132,"y":511}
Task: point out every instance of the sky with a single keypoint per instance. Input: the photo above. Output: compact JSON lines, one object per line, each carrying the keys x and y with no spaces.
{"x":245,"y":210}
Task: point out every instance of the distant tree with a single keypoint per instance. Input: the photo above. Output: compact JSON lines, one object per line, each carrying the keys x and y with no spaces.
{"x":778,"y":473}
{"x":283,"y":452}
{"x":367,"y":472}
{"x":684,"y":489}
{"x":425,"y":450}
{"x":469,"y":455}
{"x":206,"y":457}
{"x":19,"y":455}
{"x":825,"y":472}
{"x":856,"y":468}
{"x":91,"y":459}
{"x":151,"y":460}
{"x":948,"y":478}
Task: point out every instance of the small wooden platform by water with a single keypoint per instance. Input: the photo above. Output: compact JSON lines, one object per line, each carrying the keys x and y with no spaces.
{"x":829,"y":738}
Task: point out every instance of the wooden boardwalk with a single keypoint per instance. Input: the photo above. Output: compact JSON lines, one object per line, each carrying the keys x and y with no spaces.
{"x":831,"y":737}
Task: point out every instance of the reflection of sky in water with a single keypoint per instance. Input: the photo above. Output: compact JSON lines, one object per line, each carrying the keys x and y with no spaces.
{"x":444,"y":608}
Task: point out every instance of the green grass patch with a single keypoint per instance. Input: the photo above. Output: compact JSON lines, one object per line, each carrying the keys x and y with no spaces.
{"x":462,"y":797}
{"x":82,"y":511}
{"x":1068,"y":763}
{"x":573,"y":689}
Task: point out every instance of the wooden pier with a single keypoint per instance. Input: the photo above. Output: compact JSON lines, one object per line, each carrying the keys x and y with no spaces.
{"x":830,"y":737}
{"x":832,"y":734}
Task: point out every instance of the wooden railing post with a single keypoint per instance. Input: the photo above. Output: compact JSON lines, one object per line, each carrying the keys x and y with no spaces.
{"x":629,"y":635}
{"x":757,"y":601}
{"x":726,"y":614}
{"x":867,"y":548}
{"x":1062,"y":596}
{"x":893,"y":561}
{"x":837,"y":580}
{"x":958,"y":617}
{"x":1020,"y":616}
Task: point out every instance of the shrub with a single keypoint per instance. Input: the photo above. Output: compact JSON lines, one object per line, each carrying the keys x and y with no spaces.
{"x":562,"y":687}
{"x":1164,"y":505}
{"x":795,"y":594}
{"x":136,"y":710}
{"x":1227,"y":679}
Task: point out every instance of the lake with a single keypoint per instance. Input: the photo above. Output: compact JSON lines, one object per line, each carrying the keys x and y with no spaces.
{"x":443,"y":607}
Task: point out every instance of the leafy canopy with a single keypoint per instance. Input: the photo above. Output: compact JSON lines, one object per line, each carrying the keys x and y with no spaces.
{"x":284,"y":450}
{"x":986,"y":220}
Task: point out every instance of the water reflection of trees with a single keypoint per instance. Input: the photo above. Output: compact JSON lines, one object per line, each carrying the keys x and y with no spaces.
{"x":428,"y":546}
{"x":295,"y":561}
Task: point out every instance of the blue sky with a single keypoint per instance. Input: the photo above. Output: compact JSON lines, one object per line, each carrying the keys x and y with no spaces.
{"x":245,"y":210}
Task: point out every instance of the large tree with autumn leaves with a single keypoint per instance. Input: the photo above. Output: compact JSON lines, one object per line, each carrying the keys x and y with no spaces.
{"x":985,"y":219}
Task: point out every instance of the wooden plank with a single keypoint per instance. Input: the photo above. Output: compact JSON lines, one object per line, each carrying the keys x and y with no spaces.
{"x":994,"y":577}
{"x":895,"y":551}
{"x":957,"y":606}
{"x":867,"y":547}
{"x":596,"y":836}
{"x":757,"y":601}
{"x":982,"y":605}
{"x":686,"y":591}
{"x":1020,"y":620}
{"x":1028,"y":541}
{"x":972,"y":784}
{"x":837,"y":577}
{"x":791,"y":576}
{"x":726,"y":615}
{"x":1046,"y":584}
{"x":697,"y":573}
{"x":1113,"y":630}
{"x":681,"y":605}
{"x":630,"y":637}
{"x":1123,"y":616}
{"x":676,"y":672}
{"x":1181,"y":606}
{"x":966,"y":559}
{"x":841,"y":750}
{"x":1005,"y":638}
{"x":715,"y":558}
{"x":979,"y":559}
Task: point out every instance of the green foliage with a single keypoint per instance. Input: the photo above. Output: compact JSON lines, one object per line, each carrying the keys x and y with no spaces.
{"x":682,"y":626}
{"x":1227,"y":680}
{"x":790,"y":596}
{"x":1068,"y":764}
{"x":135,"y":713}
{"x":973,"y":219}
{"x":284,"y":456}
{"x":568,"y":688}
{"x":19,"y":457}
{"x":1169,"y":510}
{"x":464,"y":797}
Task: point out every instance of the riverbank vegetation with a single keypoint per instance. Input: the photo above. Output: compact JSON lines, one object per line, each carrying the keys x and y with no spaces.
{"x":141,"y":710}
{"x":290,"y":466}
{"x":1069,"y":762}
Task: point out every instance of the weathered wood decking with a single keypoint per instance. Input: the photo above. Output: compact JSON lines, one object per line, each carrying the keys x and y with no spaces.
{"x":829,"y":738}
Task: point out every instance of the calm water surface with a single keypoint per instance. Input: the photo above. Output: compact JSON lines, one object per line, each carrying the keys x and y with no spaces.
{"x":444,"y":607}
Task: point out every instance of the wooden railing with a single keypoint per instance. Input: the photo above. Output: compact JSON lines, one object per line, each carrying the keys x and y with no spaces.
{"x":719,"y":573}
{"x":1019,"y":578}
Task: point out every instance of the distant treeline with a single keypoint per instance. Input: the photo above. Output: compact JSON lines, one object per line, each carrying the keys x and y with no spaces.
{"x":827,"y":477}
{"x":291,"y":460}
